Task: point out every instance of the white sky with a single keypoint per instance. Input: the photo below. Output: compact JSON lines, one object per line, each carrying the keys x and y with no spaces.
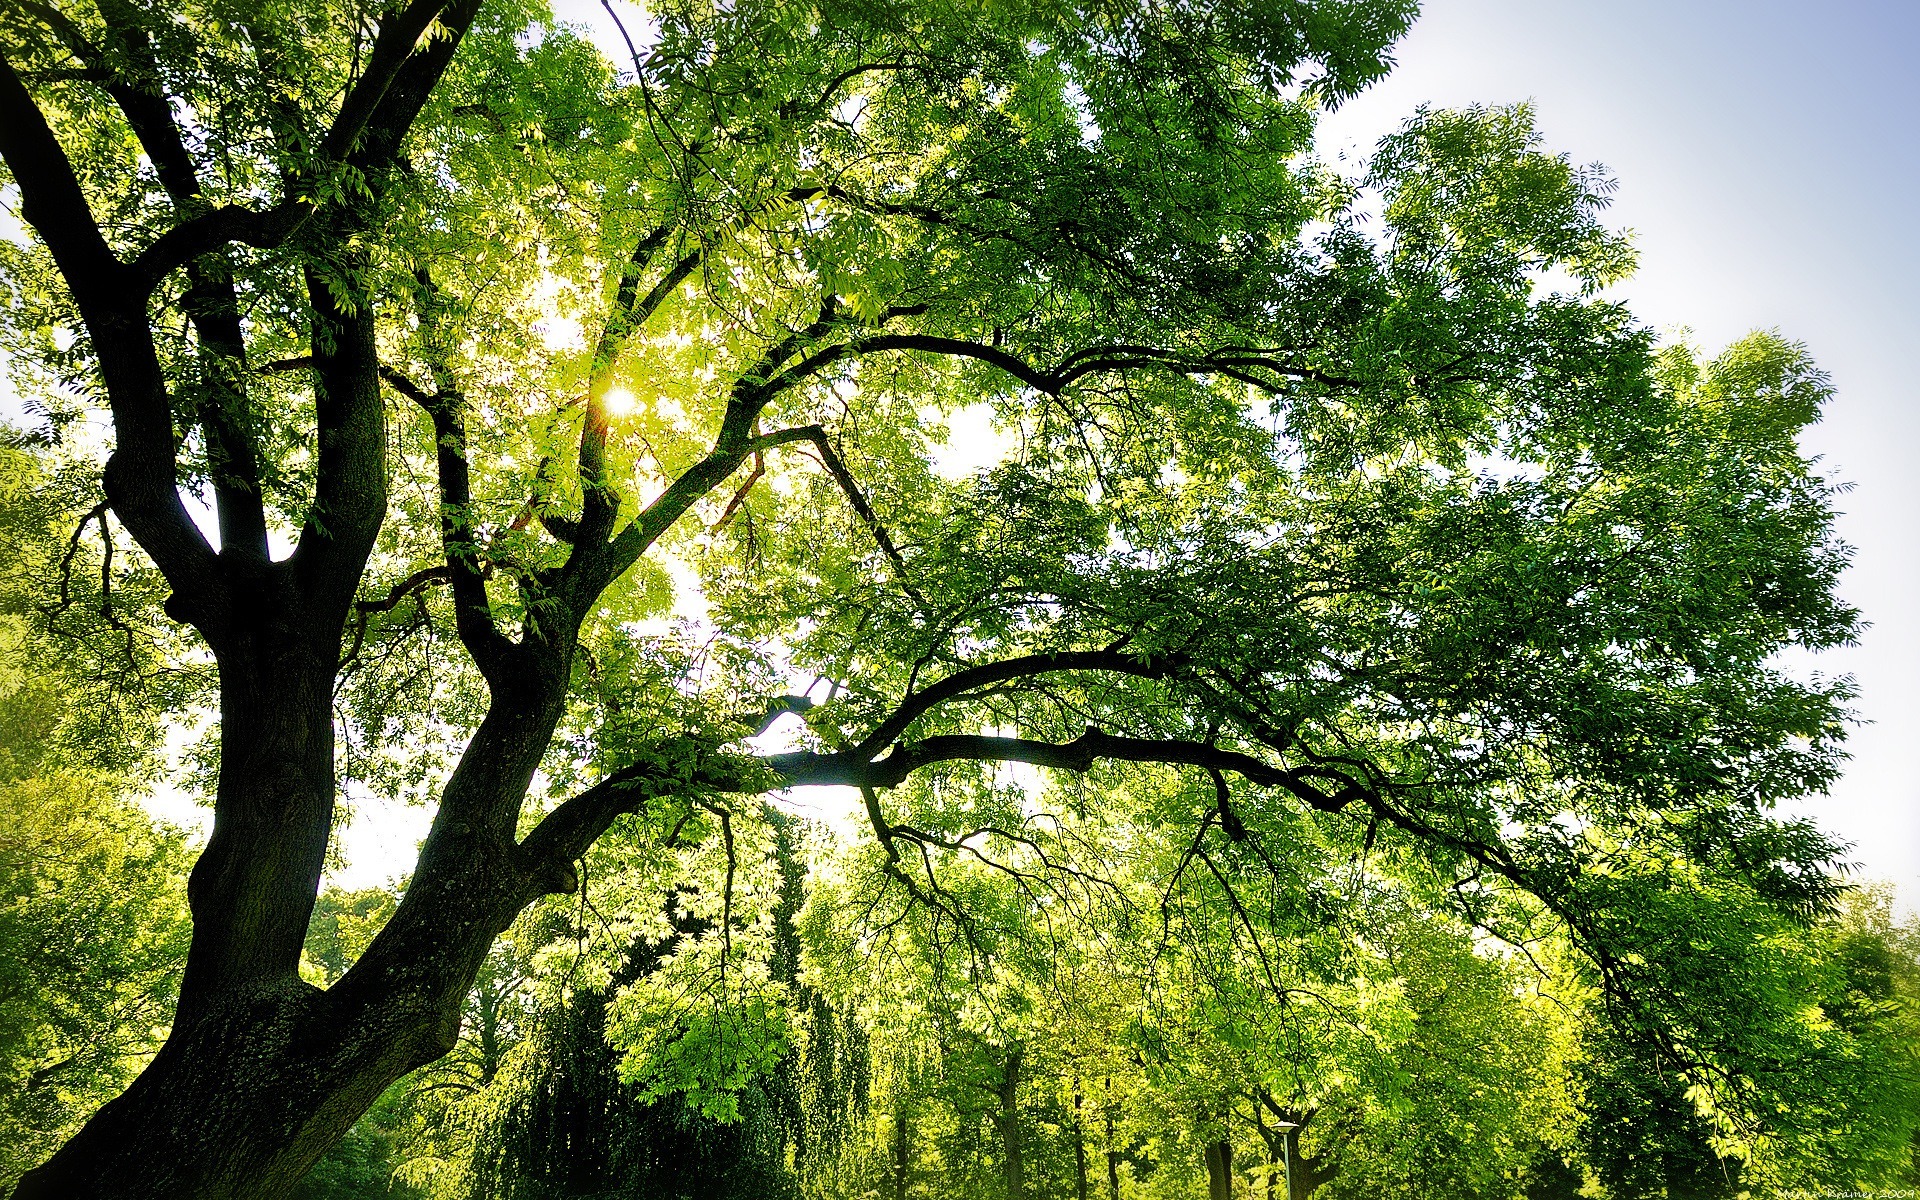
{"x":1768,"y":159}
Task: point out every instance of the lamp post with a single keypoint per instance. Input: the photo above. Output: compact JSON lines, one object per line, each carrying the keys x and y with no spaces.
{"x":1287,"y":1146}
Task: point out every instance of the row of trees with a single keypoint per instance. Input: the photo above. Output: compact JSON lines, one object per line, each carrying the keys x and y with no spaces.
{"x":1223,"y":1036}
{"x":1365,"y":660}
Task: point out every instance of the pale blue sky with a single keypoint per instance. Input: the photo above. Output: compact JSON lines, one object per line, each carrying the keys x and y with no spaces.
{"x":1768,"y":163}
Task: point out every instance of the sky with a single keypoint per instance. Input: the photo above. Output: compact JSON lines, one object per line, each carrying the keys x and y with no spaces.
{"x":1768,"y":163}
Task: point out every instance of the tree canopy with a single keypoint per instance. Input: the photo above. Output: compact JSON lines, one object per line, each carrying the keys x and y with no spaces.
{"x":571,"y":444}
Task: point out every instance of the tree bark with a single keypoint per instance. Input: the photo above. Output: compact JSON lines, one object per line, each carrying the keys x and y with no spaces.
{"x":1220,"y":1170}
{"x":902,"y":1156}
{"x":1113,"y":1155}
{"x":1079,"y":1146}
{"x":1008,"y":1118}
{"x":238,"y":1104}
{"x":1305,"y":1173}
{"x":262,"y":1072}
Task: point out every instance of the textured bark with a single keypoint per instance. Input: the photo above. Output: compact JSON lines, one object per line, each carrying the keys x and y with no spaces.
{"x":1305,"y":1173}
{"x":240,"y":1103}
{"x":263,"y":1072}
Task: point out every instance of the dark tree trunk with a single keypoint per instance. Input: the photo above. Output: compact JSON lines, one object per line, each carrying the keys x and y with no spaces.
{"x":262,"y":1072}
{"x":902,"y":1155}
{"x":239,"y":1104}
{"x":1220,"y":1170}
{"x":1079,"y":1146}
{"x":1305,"y":1173}
{"x":1008,"y":1118}
{"x":1113,"y":1155}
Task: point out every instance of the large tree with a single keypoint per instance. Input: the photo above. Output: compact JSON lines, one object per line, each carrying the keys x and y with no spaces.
{"x":436,"y":349}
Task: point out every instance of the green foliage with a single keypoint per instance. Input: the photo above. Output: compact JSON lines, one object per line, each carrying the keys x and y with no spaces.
{"x":93,"y":932}
{"x":1828,"y":1031}
{"x":93,"y":914}
{"x":1353,"y":699}
{"x":342,"y":925}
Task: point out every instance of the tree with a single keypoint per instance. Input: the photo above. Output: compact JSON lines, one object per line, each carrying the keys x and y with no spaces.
{"x":93,"y":929}
{"x":1830,"y":1027}
{"x":93,"y":920}
{"x":452,"y":334}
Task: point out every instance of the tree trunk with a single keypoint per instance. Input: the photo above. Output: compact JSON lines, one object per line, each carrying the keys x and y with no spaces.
{"x":1305,"y":1173}
{"x":262,"y":1072}
{"x":1113,"y":1155}
{"x":238,"y":1104}
{"x":902,"y":1159}
{"x":1079,"y":1146}
{"x":1008,"y":1119}
{"x":1275,"y":1154}
{"x":1220,"y":1170}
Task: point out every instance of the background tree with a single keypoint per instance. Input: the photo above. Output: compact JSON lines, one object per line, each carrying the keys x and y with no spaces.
{"x":93,"y":918}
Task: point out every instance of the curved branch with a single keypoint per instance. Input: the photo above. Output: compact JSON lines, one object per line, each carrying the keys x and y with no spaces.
{"x":692,"y":766}
{"x":472,"y":612}
{"x":593,"y":566}
{"x":1019,"y":368}
{"x":837,"y":468}
{"x":803,"y":768}
{"x":987,"y":674}
{"x":376,"y":114}
{"x":263,"y":229}
{"x":211,"y":301}
{"x":1095,"y":360}
{"x":393,"y":49}
{"x":415,"y":583}
{"x":141,"y":477}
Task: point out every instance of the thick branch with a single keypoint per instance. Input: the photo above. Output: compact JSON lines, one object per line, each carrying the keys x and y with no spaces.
{"x":472,"y":611}
{"x":51,"y":199}
{"x":262,"y":229}
{"x":570,"y":829}
{"x":779,"y":707}
{"x":399,"y":35}
{"x":350,"y":476}
{"x":600,"y":503}
{"x":1012,"y":364}
{"x":850,"y":768}
{"x":141,"y":475}
{"x":961,"y":682}
{"x":372,"y":120}
{"x":837,"y":468}
{"x":731,"y":446}
{"x":210,"y":302}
